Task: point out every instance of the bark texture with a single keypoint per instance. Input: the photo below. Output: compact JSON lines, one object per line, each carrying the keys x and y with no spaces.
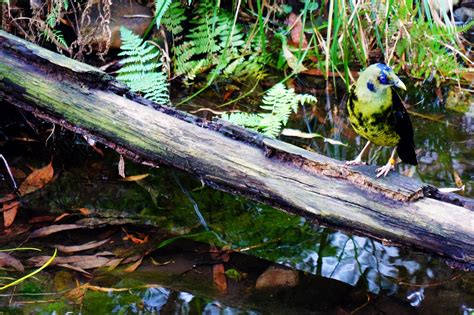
{"x":88,"y":101}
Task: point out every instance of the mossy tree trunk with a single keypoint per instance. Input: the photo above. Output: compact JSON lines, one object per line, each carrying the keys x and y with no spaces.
{"x":89,"y":102}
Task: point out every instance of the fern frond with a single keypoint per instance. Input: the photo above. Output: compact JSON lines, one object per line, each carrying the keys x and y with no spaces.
{"x":243,"y":119}
{"x":215,"y":42}
{"x":206,"y":41}
{"x":54,"y":36}
{"x":306,"y":99}
{"x":54,"y":14}
{"x":141,"y":70}
{"x":244,"y":68}
{"x":270,"y":125}
{"x":161,"y":6}
{"x":174,"y":18}
{"x":279,"y":102}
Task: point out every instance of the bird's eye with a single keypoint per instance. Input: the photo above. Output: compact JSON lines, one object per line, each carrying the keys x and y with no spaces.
{"x":383,"y":79}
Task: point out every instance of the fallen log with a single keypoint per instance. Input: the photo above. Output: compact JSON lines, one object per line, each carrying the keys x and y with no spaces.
{"x":90,"y":102}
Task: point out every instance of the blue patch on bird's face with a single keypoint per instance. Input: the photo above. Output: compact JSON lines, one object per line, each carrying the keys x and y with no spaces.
{"x":371,"y":86}
{"x":384,"y":67}
{"x":383,"y":78}
{"x":384,"y":71}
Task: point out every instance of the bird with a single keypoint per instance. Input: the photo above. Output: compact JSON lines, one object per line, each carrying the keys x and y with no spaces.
{"x":376,"y":112}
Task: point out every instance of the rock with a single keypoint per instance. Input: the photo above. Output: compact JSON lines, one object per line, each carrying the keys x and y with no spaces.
{"x":277,"y":277}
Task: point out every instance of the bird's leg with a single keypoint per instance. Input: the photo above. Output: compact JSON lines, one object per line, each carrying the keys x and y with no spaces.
{"x":358,"y":159}
{"x":384,"y":170}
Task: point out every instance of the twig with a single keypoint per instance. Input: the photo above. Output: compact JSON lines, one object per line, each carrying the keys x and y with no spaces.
{"x":194,"y":203}
{"x":9,"y":171}
{"x":432,"y":284}
{"x":362,"y":306}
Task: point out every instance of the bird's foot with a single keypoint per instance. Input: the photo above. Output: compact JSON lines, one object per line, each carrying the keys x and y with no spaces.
{"x":356,"y":161}
{"x":384,"y":170}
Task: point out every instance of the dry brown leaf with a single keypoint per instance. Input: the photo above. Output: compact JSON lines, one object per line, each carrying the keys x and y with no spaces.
{"x":84,"y":211}
{"x":457,"y":179}
{"x":98,"y":150}
{"x":227,"y":95}
{"x":48,"y":230}
{"x":62,"y":216}
{"x":9,"y":212}
{"x":10,"y":205}
{"x":134,"y":239}
{"x":114,"y":263}
{"x":121,"y":167}
{"x":78,"y":269}
{"x":7,"y":198}
{"x":468,"y":75}
{"x":134,"y":266}
{"x":218,"y":270}
{"x":297,"y":34}
{"x":132,"y":258}
{"x":105,"y":253}
{"x":78,"y":261}
{"x":37,"y":179}
{"x":8,"y":260}
{"x":219,"y":277}
{"x":292,"y":61}
{"x":134,"y":178}
{"x":79,"y":248}
{"x":15,"y":230}
{"x":17,"y":173}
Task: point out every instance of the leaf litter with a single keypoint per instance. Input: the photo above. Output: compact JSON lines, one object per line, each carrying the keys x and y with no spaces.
{"x":37,"y":179}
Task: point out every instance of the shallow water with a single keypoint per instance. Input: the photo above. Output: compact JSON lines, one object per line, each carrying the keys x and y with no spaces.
{"x":397,"y":280}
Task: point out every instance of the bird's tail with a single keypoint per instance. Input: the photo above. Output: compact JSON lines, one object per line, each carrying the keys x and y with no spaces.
{"x":406,"y":151}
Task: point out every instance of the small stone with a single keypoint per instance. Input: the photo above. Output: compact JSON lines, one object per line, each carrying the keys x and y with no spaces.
{"x":277,"y":277}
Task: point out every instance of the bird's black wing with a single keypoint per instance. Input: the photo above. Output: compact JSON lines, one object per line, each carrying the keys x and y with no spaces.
{"x":404,"y":128}
{"x":349,"y":99}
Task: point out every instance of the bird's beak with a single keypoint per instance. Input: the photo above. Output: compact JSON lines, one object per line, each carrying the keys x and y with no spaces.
{"x":398,"y":83}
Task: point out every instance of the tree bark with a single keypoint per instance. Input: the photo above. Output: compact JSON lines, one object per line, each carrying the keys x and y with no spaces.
{"x":90,"y":102}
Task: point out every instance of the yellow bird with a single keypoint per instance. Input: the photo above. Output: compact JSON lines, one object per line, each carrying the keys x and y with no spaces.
{"x":377,"y":114}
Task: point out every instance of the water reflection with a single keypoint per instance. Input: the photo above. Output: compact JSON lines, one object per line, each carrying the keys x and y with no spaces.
{"x":155,"y":298}
{"x":161,"y":300}
{"x":467,"y":310}
{"x":216,"y":308}
{"x":415,"y":298}
{"x":356,"y":259}
{"x":269,"y":233}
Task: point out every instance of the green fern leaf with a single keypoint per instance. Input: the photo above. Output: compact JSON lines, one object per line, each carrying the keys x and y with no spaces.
{"x":141,"y":70}
{"x":279,"y":102}
{"x":243,"y":119}
{"x":174,"y":18}
{"x":161,"y":6}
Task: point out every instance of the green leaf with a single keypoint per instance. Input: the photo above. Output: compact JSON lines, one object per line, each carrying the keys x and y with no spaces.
{"x":161,"y":7}
{"x":141,"y":70}
{"x":233,"y":274}
{"x":278,"y":102}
